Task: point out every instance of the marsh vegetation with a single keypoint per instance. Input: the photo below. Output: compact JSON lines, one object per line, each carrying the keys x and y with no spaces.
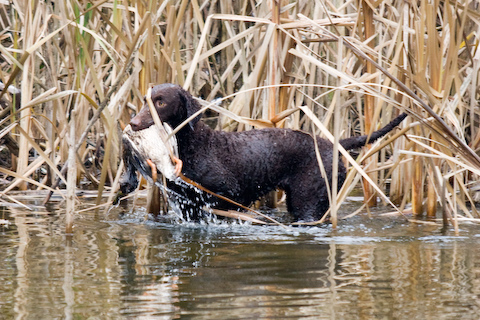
{"x":72,"y":70}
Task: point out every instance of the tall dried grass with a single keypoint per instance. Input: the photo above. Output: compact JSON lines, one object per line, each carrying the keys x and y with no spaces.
{"x":350,"y":66}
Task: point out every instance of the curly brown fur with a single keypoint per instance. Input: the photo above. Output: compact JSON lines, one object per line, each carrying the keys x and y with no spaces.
{"x":244,"y":166}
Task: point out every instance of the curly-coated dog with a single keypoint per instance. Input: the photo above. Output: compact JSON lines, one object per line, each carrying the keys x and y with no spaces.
{"x":244,"y":166}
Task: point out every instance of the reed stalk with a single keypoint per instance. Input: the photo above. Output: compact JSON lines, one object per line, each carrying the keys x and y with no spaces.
{"x":71,"y":179}
{"x":367,"y":24}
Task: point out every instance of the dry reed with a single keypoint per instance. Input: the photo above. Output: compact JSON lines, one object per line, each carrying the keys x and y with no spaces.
{"x":349,"y":65}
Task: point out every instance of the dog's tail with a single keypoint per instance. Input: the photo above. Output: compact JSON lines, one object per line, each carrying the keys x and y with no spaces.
{"x":360,"y":141}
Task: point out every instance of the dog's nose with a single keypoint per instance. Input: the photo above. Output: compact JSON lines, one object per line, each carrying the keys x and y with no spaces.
{"x":142,"y":120}
{"x":136,"y":124}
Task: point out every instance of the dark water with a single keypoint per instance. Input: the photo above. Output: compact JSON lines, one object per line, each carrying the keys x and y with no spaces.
{"x":119,"y":266}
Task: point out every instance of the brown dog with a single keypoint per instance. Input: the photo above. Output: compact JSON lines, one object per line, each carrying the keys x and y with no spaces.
{"x":244,"y":166}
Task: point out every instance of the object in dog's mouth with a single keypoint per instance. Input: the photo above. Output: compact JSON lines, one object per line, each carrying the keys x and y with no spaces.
{"x":146,"y":145}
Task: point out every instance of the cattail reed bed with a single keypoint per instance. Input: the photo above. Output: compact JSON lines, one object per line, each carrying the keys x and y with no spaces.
{"x":72,"y":71}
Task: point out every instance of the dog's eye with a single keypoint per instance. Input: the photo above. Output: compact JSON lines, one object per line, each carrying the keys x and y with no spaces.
{"x":159,"y":103}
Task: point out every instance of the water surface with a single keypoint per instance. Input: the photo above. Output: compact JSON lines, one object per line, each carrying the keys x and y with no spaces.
{"x":120,"y":265}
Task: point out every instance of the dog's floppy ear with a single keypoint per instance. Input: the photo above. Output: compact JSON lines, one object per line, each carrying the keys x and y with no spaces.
{"x":191,"y":106}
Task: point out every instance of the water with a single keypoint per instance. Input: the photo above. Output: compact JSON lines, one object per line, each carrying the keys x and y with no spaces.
{"x":120,"y":266}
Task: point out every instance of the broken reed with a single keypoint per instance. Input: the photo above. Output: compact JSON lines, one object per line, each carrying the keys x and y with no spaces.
{"x":99,"y":58}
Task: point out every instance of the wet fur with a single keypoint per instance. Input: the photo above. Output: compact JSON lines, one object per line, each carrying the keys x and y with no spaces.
{"x":244,"y":166}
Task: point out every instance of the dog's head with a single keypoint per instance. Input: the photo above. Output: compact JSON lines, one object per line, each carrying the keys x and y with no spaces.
{"x":173,"y":105}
